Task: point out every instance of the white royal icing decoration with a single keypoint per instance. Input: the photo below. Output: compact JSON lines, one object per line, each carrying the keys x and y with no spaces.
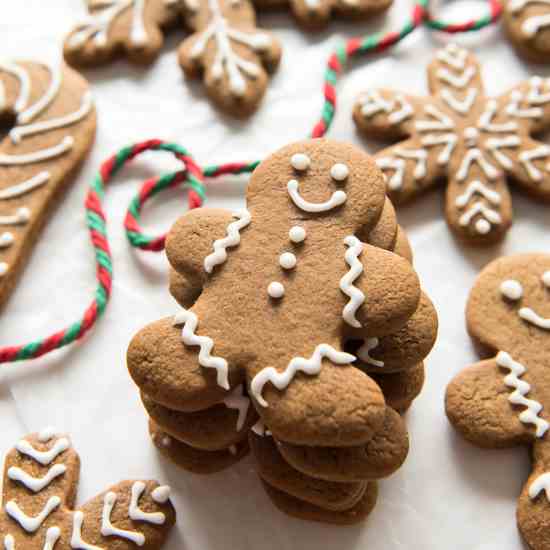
{"x":21,"y":217}
{"x":136,"y":513}
{"x":40,"y":155}
{"x":311,"y":367}
{"x":19,"y":132}
{"x":97,"y":26}
{"x":260,"y":429}
{"x":32,"y":524}
{"x":513,"y":108}
{"x":395,"y":182}
{"x":297,"y":234}
{"x":300,"y":161}
{"x":219,"y":256}
{"x":542,"y":483}
{"x":364,"y":352}
{"x":338,"y":198}
{"x":109,"y":530}
{"x":227,"y":61}
{"x":161,"y":494}
{"x":47,"y":434}
{"x":36,"y":484}
{"x":477,"y":188}
{"x":486,"y":123}
{"x":527,"y":157}
{"x":76,"y":537}
{"x":511,"y":289}
{"x":339,"y":171}
{"x":372,"y":103}
{"x":495,"y":144}
{"x":43,"y":457}
{"x":190,"y":321}
{"x":457,"y":81}
{"x":475,"y":155}
{"x":24,"y":83}
{"x":240,"y":402}
{"x":453,"y":56}
{"x":356,"y":297}
{"x":287,"y":260}
{"x":546,"y":279}
{"x":535,"y":95}
{"x":461,"y":106}
{"x":6,"y":239}
{"x":529,"y":315}
{"x":276,"y":290}
{"x":477,"y":208}
{"x":440,"y":122}
{"x":521,"y":389}
{"x":449,"y":140}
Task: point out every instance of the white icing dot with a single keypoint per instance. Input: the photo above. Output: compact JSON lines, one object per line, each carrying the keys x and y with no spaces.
{"x":3,"y":268}
{"x":546,"y":278}
{"x":24,"y":214}
{"x":276,"y":290}
{"x":297,"y":234}
{"x":471,"y":135}
{"x":483,"y":226}
{"x":166,"y":441}
{"x":47,"y":434}
{"x":287,"y":260}
{"x":299,"y":161}
{"x":339,"y":171}
{"x":161,"y":494}
{"x":511,"y":289}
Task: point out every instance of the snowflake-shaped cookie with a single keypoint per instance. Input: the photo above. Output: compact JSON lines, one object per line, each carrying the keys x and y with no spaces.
{"x":460,"y":135}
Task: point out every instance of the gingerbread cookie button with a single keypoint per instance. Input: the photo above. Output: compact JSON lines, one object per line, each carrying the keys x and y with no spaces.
{"x":53,"y":130}
{"x":458,"y":134}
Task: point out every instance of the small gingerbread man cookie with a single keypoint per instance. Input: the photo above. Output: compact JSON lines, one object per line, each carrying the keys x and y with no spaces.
{"x":52,"y":117}
{"x":460,"y":136}
{"x":527,"y":23}
{"x":38,"y":495}
{"x":504,"y":401}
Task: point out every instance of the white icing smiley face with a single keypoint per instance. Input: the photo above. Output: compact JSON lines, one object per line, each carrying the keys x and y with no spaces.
{"x":512,"y":290}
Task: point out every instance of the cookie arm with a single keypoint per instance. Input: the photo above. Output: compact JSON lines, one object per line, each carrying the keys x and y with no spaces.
{"x":128,"y":514}
{"x":191,"y":241}
{"x":477,"y":403}
{"x":131,"y":27}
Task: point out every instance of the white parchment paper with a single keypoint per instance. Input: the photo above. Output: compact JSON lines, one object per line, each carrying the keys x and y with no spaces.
{"x":448,"y":494}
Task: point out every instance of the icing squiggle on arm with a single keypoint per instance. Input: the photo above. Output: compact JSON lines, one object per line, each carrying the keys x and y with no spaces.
{"x":338,"y":198}
{"x":356,"y":297}
{"x":190,"y":322}
{"x":233,"y":239}
{"x":240,"y":402}
{"x":521,"y":389}
{"x":364,"y":352}
{"x":311,"y":366}
{"x":542,"y":483}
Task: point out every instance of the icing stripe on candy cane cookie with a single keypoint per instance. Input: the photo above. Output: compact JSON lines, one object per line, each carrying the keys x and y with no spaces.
{"x":233,"y":239}
{"x":190,"y":322}
{"x":36,"y":484}
{"x":32,"y":524}
{"x":356,"y":297}
{"x":521,"y":389}
{"x":311,"y":367}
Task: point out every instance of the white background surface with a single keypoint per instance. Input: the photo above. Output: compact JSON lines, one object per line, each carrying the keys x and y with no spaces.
{"x":447,"y":495}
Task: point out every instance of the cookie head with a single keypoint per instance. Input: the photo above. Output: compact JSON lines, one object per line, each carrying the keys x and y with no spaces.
{"x":509,"y":307}
{"x":317,"y":180}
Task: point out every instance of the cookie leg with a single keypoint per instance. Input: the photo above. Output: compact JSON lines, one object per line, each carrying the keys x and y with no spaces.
{"x":478,"y":405}
{"x":533,"y":511}
{"x":400,"y":389}
{"x":379,"y":458}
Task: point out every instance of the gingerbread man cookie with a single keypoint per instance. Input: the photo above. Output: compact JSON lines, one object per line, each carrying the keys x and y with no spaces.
{"x":52,"y":118}
{"x":270,"y":297}
{"x":459,"y":135}
{"x":504,"y":401}
{"x":527,"y":23}
{"x":39,"y":491}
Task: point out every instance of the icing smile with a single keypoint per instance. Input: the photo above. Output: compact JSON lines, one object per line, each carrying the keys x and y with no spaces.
{"x":512,"y":290}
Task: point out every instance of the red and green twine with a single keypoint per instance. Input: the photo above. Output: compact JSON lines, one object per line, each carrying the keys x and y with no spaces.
{"x":192,"y":176}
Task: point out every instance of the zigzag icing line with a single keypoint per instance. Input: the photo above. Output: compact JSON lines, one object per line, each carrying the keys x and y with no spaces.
{"x":356,"y":297}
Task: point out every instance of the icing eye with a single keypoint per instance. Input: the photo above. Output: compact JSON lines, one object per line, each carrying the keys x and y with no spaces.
{"x":511,"y":289}
{"x":339,"y":171}
{"x":546,"y":279}
{"x":300,"y":162}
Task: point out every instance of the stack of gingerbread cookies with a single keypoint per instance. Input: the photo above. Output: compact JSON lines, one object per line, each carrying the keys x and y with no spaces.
{"x":301,"y":335}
